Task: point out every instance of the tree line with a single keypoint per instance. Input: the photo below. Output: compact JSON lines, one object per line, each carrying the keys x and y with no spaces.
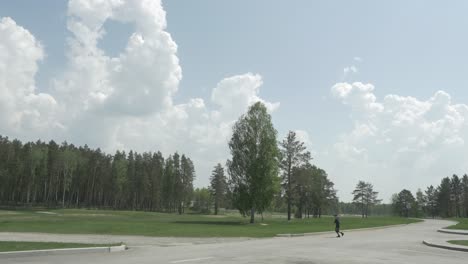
{"x":448,"y":199}
{"x":48,"y":174}
{"x":262,"y":174}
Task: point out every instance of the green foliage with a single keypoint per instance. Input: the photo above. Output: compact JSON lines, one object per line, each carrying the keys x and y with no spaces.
{"x":404,"y":204}
{"x":365,"y":197}
{"x":380,"y":209}
{"x":254,"y":164}
{"x":202,"y":200}
{"x":449,"y":199}
{"x":293,"y":155}
{"x":443,"y":198}
{"x":313,"y":192}
{"x":430,"y":207}
{"x":48,"y":174}
{"x":218,"y":188}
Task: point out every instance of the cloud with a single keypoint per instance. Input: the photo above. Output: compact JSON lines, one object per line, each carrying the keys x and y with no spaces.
{"x":21,"y":107}
{"x":349,"y":70}
{"x":234,"y":94}
{"x":141,"y":80}
{"x":120,"y":102}
{"x":400,"y":140}
{"x":353,"y":69}
{"x":359,"y":96}
{"x":303,"y":136}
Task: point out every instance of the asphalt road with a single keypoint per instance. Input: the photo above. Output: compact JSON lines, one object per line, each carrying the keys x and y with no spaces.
{"x":391,"y":245}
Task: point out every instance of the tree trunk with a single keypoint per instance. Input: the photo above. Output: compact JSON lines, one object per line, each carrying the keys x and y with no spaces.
{"x":77,"y":197}
{"x":252,"y":215}
{"x":64,"y":185}
{"x":289,"y":192}
{"x":28,"y":194}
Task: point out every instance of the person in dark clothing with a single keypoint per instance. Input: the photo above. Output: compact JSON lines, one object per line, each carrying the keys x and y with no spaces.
{"x":337,"y":226}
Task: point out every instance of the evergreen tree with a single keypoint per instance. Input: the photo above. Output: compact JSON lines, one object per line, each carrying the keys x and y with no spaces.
{"x":431,"y":201}
{"x":218,"y":187}
{"x":293,"y":155}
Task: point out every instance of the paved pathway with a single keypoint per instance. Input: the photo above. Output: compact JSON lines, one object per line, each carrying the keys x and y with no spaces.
{"x":391,"y":245}
{"x":103,"y":239}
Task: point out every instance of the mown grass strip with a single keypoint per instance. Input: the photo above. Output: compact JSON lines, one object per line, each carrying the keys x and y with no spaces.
{"x":459,"y":242}
{"x":462,"y":224}
{"x":173,"y":225}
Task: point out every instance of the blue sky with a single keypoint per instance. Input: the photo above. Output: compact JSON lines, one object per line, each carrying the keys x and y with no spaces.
{"x":300,"y":49}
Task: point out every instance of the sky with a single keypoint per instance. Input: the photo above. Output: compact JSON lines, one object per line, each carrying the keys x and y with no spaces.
{"x":376,"y":89}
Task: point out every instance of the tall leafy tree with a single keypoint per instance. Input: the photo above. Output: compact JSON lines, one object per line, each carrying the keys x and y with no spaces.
{"x":456,"y":191}
{"x":431,"y":201}
{"x":465,"y":195}
{"x":403,"y":203}
{"x":293,"y":155}
{"x":202,"y":200}
{"x":360,"y":195}
{"x":188,"y":176}
{"x":254,"y":164}
{"x":323,"y":194}
{"x":218,"y":186}
{"x":443,"y":198}
{"x":421,"y":201}
{"x":365,"y":197}
{"x":370,"y":197}
{"x":168,"y":185}
{"x":69,"y":163}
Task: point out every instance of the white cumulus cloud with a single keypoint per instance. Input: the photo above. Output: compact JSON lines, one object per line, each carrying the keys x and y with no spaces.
{"x":401,"y":141}
{"x":21,"y":107}
{"x":121,"y":102}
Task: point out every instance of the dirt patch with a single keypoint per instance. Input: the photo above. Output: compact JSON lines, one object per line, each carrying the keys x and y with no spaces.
{"x":9,"y":213}
{"x":92,"y":215}
{"x":48,"y":213}
{"x":216,"y":216}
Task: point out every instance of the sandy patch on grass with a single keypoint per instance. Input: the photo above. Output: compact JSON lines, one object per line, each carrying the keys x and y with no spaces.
{"x":9,"y":213}
{"x":216,"y":216}
{"x":92,"y":215}
{"x":48,"y":213}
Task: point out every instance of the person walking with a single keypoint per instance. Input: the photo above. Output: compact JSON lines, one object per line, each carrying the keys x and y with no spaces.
{"x":337,"y":226}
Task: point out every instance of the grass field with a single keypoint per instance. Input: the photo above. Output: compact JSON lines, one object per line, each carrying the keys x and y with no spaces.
{"x":463,"y":224}
{"x":159,"y":224}
{"x":459,"y":242}
{"x":6,"y":246}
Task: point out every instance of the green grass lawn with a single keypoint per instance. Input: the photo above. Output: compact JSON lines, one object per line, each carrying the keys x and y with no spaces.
{"x":459,"y":242}
{"x":73,"y":221}
{"x":463,"y":224}
{"x":6,"y":246}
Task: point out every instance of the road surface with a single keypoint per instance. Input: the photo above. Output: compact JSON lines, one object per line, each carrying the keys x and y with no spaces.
{"x":391,"y":245}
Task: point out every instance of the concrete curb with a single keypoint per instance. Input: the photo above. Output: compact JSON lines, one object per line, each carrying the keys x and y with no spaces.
{"x":62,"y":251}
{"x":344,"y":230}
{"x":445,"y":246}
{"x":453,"y":231}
